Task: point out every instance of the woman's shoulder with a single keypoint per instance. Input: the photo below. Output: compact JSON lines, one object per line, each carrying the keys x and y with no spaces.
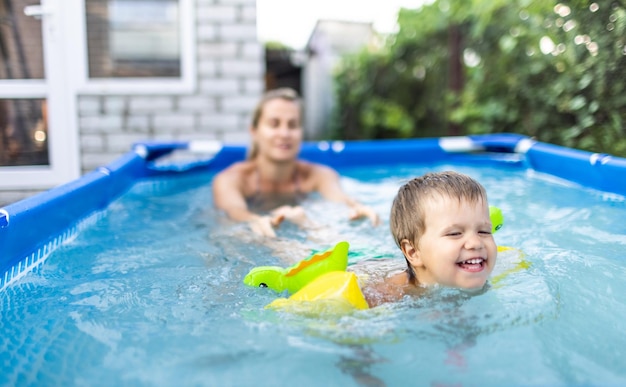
{"x":235,"y":175}
{"x":310,"y":169}
{"x":238,"y":169}
{"x":312,"y":176}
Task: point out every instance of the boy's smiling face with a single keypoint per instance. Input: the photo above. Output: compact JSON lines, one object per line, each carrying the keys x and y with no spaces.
{"x":457,"y":248}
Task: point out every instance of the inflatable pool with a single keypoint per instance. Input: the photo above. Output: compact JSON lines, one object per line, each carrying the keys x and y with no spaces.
{"x":25,"y":241}
{"x":129,"y":276}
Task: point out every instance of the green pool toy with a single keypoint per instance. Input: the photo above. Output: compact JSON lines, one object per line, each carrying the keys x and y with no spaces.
{"x":295,"y":277}
{"x":497,"y":219}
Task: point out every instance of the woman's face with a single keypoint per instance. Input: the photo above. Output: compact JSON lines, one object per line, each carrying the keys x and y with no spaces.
{"x":278,"y":135}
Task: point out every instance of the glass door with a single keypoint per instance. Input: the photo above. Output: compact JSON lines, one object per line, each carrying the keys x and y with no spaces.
{"x":38,"y":136}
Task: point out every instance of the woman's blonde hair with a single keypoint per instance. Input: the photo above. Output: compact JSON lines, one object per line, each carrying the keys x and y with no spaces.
{"x":285,"y":93}
{"x":406,"y":219}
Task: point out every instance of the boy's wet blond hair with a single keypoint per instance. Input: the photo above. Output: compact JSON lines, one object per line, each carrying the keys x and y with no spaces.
{"x":286,"y":93}
{"x":408,"y":209}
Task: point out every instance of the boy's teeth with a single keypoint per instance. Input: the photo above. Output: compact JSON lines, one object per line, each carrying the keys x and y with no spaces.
{"x":473,"y":261}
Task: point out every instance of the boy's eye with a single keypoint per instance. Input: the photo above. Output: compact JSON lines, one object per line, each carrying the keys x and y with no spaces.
{"x":484,"y":232}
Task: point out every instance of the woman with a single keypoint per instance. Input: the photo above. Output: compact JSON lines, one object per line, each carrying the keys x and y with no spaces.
{"x":265,"y":189}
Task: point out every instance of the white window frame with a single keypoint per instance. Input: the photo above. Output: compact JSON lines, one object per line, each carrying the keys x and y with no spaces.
{"x":56,"y":88}
{"x":133,"y":86}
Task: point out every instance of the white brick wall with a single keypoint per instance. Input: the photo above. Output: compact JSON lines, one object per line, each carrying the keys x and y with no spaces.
{"x":9,"y":196}
{"x":216,"y":14}
{"x":230,"y":69}
{"x":102,"y":123}
{"x":150,"y":104}
{"x":219,"y":87}
{"x":219,"y":121}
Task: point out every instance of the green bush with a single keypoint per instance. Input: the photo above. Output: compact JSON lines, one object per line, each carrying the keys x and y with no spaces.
{"x":548,"y":69}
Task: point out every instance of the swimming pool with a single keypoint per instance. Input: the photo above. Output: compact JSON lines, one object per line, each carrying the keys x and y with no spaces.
{"x":133,"y":279}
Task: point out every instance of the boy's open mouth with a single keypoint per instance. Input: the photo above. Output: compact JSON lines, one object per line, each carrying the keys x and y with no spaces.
{"x":473,"y":264}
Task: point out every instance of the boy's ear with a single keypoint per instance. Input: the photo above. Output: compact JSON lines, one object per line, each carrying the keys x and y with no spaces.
{"x":411,"y":253}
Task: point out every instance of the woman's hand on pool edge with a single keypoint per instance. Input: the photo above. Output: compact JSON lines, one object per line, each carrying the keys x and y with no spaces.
{"x":360,"y":211}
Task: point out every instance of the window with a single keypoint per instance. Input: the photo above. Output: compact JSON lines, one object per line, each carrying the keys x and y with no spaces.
{"x":23,"y":132}
{"x":23,"y":121}
{"x":38,"y":140}
{"x":137,"y":46}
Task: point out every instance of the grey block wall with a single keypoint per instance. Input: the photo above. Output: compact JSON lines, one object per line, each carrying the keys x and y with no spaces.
{"x":230,"y":67}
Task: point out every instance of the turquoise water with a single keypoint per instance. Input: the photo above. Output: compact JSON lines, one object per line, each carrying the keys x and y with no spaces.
{"x":150,"y":294}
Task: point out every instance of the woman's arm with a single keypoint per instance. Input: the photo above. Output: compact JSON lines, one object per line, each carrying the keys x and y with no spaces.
{"x":328,"y":186}
{"x":228,"y":196}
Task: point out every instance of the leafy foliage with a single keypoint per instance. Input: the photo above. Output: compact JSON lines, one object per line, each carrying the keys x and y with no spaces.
{"x":548,"y":69}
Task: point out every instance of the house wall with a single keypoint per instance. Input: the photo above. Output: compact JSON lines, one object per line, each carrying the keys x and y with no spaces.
{"x":230,"y":65}
{"x":230,"y":79}
{"x":318,"y":93}
{"x":330,"y":41}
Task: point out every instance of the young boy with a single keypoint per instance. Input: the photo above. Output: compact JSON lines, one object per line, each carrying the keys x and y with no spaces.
{"x":441,"y":223}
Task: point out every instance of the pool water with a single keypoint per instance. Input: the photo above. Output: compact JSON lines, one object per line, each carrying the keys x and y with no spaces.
{"x":151,"y":293}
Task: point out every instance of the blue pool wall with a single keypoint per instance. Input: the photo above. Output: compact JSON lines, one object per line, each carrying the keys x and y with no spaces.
{"x":32,"y":228}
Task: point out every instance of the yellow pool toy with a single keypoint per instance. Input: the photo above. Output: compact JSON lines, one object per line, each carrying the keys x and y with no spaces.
{"x":294,"y":277}
{"x":334,"y":292}
{"x":518,"y":264}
